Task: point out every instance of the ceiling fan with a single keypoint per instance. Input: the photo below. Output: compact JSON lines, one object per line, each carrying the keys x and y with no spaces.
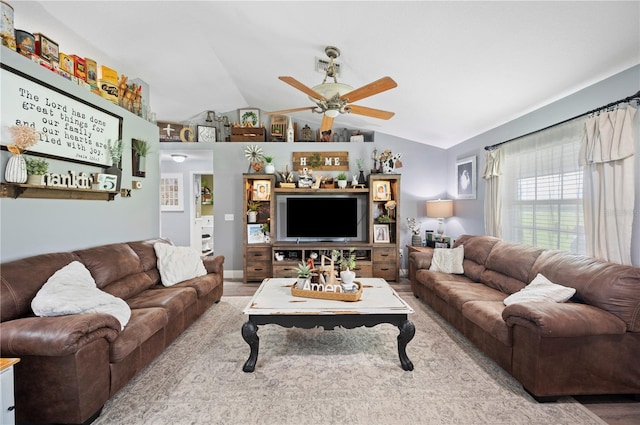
{"x":333,"y":98}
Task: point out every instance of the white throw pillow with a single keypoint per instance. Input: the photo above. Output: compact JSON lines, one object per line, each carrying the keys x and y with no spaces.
{"x":178,"y":263}
{"x":72,"y":290}
{"x":541,"y":289}
{"x":448,"y":260}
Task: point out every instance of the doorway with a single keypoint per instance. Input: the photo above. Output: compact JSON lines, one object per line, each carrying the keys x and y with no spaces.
{"x":202,"y":213}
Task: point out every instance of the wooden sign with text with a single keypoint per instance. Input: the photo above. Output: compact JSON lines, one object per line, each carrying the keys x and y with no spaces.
{"x":327,"y":161}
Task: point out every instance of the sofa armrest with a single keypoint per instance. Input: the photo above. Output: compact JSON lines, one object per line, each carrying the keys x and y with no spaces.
{"x":557,"y":320}
{"x":214,"y":264}
{"x":421,"y":260}
{"x":55,"y":336}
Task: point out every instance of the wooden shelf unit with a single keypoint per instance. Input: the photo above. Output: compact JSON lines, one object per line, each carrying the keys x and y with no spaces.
{"x":15,"y":190}
{"x":374,"y":259}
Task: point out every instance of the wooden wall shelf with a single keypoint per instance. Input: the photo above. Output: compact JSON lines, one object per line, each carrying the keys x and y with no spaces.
{"x":14,"y":190}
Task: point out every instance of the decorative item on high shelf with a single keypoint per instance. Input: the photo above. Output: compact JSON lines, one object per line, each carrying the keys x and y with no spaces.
{"x":23,"y":138}
{"x":290,"y":133}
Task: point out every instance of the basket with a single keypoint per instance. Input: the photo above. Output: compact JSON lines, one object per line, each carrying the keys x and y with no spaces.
{"x":338,"y":296}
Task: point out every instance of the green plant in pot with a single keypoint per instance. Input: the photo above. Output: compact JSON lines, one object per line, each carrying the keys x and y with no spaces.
{"x":141,"y":150}
{"x":304,"y":274}
{"x":342,"y":180}
{"x":36,"y":168}
{"x":269,"y":166}
{"x":253,"y":207}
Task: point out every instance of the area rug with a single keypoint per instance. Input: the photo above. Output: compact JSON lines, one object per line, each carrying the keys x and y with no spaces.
{"x":328,"y":377}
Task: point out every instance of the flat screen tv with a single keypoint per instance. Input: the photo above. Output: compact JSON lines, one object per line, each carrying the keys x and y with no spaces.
{"x":322,"y":218}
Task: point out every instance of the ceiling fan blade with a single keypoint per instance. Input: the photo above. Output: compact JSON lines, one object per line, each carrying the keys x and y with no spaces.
{"x":378,"y":86}
{"x":287,"y":111}
{"x":327,"y":123}
{"x":370,"y":112}
{"x":298,"y":85}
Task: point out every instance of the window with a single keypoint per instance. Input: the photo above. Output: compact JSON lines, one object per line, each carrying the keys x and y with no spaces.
{"x":542,"y":189}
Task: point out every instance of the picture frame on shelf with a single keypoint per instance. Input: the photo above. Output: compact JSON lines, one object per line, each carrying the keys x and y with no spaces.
{"x":254,"y":233}
{"x":261,"y":190}
{"x":207,"y":134}
{"x":249,"y":117}
{"x":381,"y":233}
{"x":466,"y":177}
{"x":381,"y":190}
{"x":171,"y":192}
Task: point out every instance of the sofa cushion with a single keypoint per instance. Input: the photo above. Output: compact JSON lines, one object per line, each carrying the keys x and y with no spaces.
{"x":541,"y":289}
{"x":448,"y":260}
{"x":508,"y":266}
{"x":109,"y":263}
{"x":175,"y":300}
{"x":458,"y":293}
{"x":144,"y":323}
{"x":72,"y":290}
{"x":178,"y":263}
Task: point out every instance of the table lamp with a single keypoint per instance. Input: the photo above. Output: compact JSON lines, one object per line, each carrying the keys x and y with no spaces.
{"x":440,"y":209}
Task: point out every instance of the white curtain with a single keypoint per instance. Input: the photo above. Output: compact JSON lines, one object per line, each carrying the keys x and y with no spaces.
{"x":492,"y":199}
{"x":541,"y":189}
{"x":606,"y":153}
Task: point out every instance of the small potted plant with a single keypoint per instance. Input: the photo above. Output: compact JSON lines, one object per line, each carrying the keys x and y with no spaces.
{"x":304,"y":273}
{"x":269,"y":167}
{"x":342,"y":180}
{"x":253,"y":207}
{"x":36,"y":168}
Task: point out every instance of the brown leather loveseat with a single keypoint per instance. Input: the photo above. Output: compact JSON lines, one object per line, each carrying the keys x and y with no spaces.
{"x":71,"y":365}
{"x":587,"y":345}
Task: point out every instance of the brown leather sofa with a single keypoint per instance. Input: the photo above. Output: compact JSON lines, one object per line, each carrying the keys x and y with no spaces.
{"x":71,"y":365}
{"x":588,"y":345}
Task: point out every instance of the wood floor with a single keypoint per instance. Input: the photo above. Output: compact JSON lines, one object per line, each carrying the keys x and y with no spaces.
{"x":614,"y":410}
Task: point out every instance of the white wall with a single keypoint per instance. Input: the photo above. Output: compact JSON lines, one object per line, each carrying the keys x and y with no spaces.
{"x":34,"y":226}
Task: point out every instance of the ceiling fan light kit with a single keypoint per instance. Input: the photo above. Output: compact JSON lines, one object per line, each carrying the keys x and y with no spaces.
{"x":333,"y":98}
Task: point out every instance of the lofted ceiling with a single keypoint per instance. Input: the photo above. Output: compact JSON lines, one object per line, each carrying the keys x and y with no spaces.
{"x":462,"y":68}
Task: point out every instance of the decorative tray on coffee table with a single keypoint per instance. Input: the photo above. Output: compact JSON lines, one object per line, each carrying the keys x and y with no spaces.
{"x":338,"y":296}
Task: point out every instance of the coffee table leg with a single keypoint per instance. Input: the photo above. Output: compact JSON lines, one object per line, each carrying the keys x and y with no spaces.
{"x":407,"y":331}
{"x":250,"y":335}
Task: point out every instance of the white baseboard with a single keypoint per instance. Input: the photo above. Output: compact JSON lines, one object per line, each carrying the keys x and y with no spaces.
{"x":233,"y":274}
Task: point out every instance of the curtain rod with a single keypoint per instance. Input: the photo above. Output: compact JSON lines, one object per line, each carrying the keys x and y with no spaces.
{"x":609,"y":105}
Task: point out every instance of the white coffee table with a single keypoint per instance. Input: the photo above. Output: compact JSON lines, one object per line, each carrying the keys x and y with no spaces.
{"x":273,"y":303}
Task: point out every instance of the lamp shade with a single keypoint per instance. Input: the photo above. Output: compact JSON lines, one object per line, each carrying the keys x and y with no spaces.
{"x":440,"y":208}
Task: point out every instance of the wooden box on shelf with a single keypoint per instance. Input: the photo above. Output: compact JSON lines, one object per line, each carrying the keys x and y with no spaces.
{"x":248,"y":134}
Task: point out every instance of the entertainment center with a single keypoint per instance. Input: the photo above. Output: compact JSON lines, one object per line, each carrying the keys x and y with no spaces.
{"x":294,"y":223}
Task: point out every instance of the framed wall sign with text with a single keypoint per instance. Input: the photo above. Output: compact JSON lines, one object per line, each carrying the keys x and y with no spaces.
{"x":70,"y":128}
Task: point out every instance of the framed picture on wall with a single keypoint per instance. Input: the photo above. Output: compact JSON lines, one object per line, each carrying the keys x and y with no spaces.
{"x":171,"y":192}
{"x":466,"y":177}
